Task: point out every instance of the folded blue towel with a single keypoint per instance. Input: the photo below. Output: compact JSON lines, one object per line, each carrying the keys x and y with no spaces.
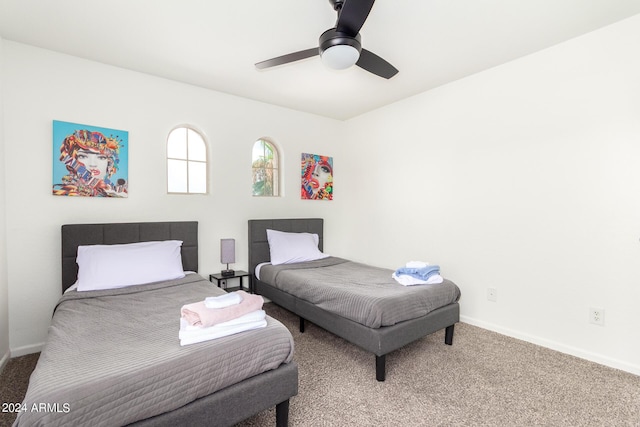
{"x":422,"y":273}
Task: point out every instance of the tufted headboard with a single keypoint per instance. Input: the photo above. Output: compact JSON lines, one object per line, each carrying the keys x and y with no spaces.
{"x":74,"y":235}
{"x":259,"y":245}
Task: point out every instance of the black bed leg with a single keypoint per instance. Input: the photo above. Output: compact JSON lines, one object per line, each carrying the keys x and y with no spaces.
{"x":380,"y":367}
{"x":282,"y":414}
{"x":301,"y":325}
{"x":448,"y":335}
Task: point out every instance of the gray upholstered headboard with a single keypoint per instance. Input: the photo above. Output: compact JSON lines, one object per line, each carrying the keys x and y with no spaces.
{"x":74,"y":235}
{"x":258,"y":244}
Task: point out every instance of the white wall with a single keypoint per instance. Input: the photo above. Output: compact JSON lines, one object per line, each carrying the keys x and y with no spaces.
{"x":4,"y":290}
{"x":523,"y":178}
{"x":42,"y":86}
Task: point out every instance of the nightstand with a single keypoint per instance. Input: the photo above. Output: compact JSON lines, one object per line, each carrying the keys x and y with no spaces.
{"x":239,"y":274}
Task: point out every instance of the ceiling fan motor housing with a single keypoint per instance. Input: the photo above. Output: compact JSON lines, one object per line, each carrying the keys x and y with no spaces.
{"x":332,"y":37}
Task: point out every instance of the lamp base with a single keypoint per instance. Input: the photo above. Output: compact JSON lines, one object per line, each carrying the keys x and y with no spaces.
{"x":227,"y":273}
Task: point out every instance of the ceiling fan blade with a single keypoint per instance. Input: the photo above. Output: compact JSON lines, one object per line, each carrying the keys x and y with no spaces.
{"x":352,"y":16}
{"x":291,"y":57}
{"x":374,"y":64}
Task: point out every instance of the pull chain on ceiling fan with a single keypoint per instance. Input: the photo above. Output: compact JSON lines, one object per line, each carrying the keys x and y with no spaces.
{"x":341,"y":47}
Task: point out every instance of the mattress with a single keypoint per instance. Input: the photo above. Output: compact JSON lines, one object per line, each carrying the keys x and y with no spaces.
{"x":359,"y":292}
{"x":114,"y":357}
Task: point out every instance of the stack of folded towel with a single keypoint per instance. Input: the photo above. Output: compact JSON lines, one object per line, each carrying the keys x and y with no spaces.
{"x":418,"y":273}
{"x":217,"y":317}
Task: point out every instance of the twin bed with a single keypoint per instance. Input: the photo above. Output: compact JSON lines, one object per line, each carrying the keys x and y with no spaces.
{"x":359,"y":303}
{"x":113,"y":356}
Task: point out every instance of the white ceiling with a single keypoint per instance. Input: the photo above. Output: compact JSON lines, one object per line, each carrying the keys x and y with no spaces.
{"x":215,"y":43}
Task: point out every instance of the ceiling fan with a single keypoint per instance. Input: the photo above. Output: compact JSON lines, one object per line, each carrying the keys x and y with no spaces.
{"x":340,"y":47}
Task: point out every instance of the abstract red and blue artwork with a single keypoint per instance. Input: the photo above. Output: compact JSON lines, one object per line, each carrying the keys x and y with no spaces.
{"x":317,"y":177}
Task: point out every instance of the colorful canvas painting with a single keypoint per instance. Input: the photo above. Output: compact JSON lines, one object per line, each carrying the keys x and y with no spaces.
{"x":89,"y":161}
{"x":317,"y":177}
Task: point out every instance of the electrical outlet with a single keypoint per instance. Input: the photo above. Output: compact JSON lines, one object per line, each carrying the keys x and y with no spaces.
{"x":492,"y":294}
{"x":596,"y":316}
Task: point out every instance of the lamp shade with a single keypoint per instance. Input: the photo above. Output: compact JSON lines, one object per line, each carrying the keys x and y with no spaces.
{"x":340,"y":57}
{"x":227,"y":251}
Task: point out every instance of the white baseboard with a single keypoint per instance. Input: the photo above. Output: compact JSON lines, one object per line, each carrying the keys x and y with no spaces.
{"x":553,"y":345}
{"x":4,"y":360}
{"x":27,"y":349}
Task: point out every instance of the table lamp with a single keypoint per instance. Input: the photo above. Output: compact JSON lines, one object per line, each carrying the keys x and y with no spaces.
{"x":227,"y":255}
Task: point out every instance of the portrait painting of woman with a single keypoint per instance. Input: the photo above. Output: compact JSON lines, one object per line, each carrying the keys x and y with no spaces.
{"x":89,"y":161}
{"x":317,"y":177}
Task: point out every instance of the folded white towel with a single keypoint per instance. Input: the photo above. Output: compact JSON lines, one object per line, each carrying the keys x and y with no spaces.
{"x":223,"y":301}
{"x":220,"y":332}
{"x":194,"y":334}
{"x":406,"y":280}
{"x":416,"y":264}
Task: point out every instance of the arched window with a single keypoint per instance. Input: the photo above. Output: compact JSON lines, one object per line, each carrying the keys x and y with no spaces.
{"x":265,"y":164}
{"x":186,"y":162}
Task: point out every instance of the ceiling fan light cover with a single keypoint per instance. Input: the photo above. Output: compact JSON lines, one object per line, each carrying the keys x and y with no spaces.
{"x":340,"y":57}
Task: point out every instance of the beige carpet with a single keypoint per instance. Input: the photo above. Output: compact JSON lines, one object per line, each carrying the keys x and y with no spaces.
{"x":484,"y":379}
{"x":14,"y":380}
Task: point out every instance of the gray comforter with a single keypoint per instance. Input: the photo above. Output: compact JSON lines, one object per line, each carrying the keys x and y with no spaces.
{"x":359,"y":292}
{"x":114,"y":357}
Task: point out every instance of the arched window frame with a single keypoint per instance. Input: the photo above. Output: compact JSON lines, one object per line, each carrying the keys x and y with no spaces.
{"x":265,"y":163}
{"x":187,"y":161}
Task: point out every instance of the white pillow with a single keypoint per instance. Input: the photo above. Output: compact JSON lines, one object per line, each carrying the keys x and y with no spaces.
{"x":288,"y":248}
{"x":117,"y":266}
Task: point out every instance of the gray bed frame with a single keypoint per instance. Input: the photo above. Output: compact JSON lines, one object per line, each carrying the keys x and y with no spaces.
{"x":379,"y":341}
{"x":225,"y":407}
